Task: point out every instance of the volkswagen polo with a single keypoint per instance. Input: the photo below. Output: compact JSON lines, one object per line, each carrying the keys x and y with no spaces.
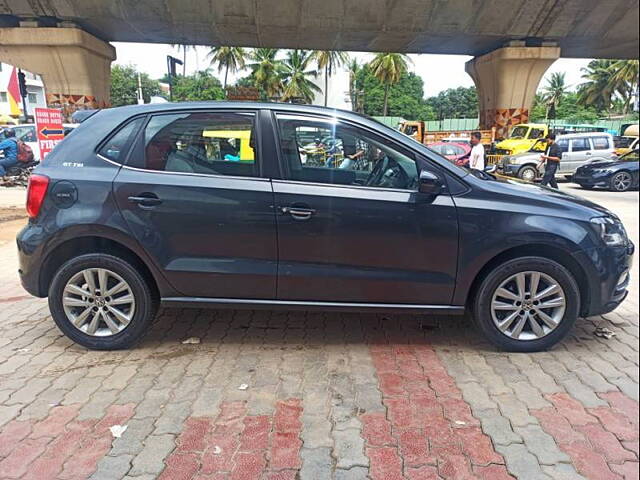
{"x":143,"y":207}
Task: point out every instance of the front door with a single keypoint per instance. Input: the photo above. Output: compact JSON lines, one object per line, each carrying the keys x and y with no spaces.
{"x":579,"y":153}
{"x":193,"y":196}
{"x":352,"y":226}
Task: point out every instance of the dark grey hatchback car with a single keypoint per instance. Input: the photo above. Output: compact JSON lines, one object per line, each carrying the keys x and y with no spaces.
{"x":284,"y":206}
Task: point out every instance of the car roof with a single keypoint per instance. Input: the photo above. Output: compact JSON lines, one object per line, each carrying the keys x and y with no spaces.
{"x":584,"y":134}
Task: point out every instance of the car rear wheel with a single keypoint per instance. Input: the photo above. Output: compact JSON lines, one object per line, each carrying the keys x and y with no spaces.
{"x":101,"y":302}
{"x":528,"y":174}
{"x":621,"y":181}
{"x":527,"y":304}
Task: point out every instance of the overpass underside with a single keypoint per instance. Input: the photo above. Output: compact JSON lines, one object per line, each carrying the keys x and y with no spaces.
{"x":514,"y":41}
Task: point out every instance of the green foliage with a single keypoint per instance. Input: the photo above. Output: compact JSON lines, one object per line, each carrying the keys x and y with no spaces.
{"x":406,"y":98}
{"x":458,"y":102}
{"x":388,"y":69}
{"x":569,"y":109}
{"x":228,"y":59}
{"x":296,"y":77}
{"x":124,"y":85}
{"x":199,"y":86}
{"x":266,"y":71}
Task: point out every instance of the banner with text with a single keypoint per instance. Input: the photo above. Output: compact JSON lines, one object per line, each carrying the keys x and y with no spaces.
{"x":50,"y":129}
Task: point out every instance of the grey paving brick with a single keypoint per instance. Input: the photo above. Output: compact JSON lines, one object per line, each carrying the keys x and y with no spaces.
{"x":529,"y":395}
{"x":582,"y":393}
{"x":316,"y":463}
{"x":150,"y":459}
{"x":355,"y":473}
{"x":172,"y":418}
{"x":542,"y":445}
{"x":516,"y":411}
{"x":112,"y":468}
{"x":562,"y":471}
{"x":497,"y":427}
{"x":476,"y":396}
{"x":348,"y":449}
{"x":520,"y":463}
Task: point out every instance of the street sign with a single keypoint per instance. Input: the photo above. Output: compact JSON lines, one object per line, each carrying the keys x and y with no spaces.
{"x":49,"y":128}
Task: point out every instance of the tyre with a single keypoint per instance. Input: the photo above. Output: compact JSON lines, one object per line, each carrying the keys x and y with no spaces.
{"x":621,"y":182}
{"x":528,"y":173}
{"x":101,"y":302}
{"x":527,"y":304}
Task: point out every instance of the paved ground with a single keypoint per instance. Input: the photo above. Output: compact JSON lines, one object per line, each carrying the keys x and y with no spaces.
{"x":316,"y":396}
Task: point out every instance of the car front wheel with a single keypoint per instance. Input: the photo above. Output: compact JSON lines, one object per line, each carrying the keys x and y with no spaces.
{"x":528,"y":174}
{"x":101,"y":302}
{"x":621,"y":181}
{"x":527,"y":304}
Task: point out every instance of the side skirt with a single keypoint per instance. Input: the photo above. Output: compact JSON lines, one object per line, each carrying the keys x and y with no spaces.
{"x":199,"y":302}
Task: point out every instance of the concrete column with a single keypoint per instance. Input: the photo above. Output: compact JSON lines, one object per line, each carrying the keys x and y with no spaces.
{"x":507,"y":80}
{"x":74,"y":65}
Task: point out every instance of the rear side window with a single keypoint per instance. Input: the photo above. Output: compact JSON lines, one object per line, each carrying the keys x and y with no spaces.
{"x":600,"y":143}
{"x":564,"y":145}
{"x":579,"y":145}
{"x":210,"y":143}
{"x":118,"y":145}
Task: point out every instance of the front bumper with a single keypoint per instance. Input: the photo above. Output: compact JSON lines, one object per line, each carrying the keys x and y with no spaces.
{"x":608,"y":274}
{"x":591,"y":180}
{"x":508,"y":169}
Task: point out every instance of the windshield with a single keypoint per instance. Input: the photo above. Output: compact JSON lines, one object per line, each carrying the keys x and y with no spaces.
{"x":519,"y":132}
{"x":539,"y":146}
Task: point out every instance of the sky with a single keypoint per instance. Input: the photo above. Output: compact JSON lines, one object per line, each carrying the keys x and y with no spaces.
{"x":438,"y":72}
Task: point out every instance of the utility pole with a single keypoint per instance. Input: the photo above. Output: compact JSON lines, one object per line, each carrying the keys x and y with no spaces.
{"x":171,"y":70}
{"x":22,"y":82}
{"x":140,"y":97}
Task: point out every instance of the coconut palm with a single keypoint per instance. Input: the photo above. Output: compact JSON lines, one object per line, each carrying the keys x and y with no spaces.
{"x":329,"y":60}
{"x":229,"y":59}
{"x":388,"y":68}
{"x":266,"y":70}
{"x":354,"y":68}
{"x":624,"y":80}
{"x":554,"y":91}
{"x":598,"y":88}
{"x":185,"y":48}
{"x":296,"y":77}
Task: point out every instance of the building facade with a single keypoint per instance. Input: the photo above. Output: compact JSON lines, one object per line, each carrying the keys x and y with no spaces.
{"x":35,"y":96}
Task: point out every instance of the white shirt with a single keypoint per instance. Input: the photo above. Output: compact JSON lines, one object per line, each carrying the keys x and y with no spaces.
{"x":477,"y":157}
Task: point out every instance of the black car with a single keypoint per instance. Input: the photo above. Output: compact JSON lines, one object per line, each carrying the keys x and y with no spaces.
{"x":214,"y":204}
{"x":618,"y":175}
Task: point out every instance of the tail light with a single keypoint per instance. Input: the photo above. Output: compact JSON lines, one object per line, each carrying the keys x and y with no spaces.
{"x":36,"y":191}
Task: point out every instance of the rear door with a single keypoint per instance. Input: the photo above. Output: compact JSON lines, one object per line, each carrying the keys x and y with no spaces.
{"x":194,"y":195}
{"x":352,"y":226}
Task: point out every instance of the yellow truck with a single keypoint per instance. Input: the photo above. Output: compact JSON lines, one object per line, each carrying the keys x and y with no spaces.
{"x":628,"y":141}
{"x":417,"y":131}
{"x":522,"y":138}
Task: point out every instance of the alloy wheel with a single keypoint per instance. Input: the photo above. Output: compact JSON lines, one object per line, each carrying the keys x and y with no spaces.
{"x":98,"y":302}
{"x":622,"y":182}
{"x":529,"y":174}
{"x":528,"y":305}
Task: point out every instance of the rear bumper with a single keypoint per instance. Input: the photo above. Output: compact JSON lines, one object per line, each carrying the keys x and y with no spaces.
{"x":608,"y":274}
{"x":30,"y":256}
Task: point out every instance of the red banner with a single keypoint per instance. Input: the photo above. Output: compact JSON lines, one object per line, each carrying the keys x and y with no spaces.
{"x":50,"y":130}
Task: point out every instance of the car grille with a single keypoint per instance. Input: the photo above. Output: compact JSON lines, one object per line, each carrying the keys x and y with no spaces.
{"x":502,"y":151}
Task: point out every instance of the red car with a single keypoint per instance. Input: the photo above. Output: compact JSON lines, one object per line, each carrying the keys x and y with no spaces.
{"x":457,"y":152}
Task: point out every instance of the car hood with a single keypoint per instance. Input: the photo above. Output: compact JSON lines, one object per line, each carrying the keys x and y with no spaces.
{"x":548,"y":201}
{"x":606,"y":164}
{"x":511,"y":143}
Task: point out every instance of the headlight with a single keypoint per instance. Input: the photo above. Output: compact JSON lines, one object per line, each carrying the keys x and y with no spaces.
{"x":512,"y":160}
{"x":611,"y":230}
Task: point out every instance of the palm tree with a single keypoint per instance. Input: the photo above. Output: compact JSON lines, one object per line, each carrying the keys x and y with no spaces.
{"x":388,"y":68}
{"x":624,"y":80}
{"x":329,"y":60}
{"x":598,"y":89}
{"x":266,"y":70}
{"x":184,"y":48}
{"x":231,"y":59}
{"x":296,"y":73}
{"x":353,"y":68}
{"x":554,"y":91}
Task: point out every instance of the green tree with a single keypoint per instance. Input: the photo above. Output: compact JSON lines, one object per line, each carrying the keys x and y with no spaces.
{"x":124,"y":86}
{"x":229,"y":59}
{"x":457,"y":102}
{"x":329,"y":60}
{"x":405,"y":98}
{"x":199,"y":86}
{"x":296,"y":77}
{"x":356,"y":98}
{"x":554,"y":92}
{"x":185,"y":48}
{"x":598,"y":88}
{"x":266,"y":71}
{"x":624,"y":80}
{"x":388,"y":68}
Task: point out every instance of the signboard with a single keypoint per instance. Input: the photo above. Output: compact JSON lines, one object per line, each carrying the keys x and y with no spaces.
{"x":49,"y":128}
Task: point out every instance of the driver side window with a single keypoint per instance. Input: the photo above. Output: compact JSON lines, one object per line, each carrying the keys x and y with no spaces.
{"x":332,"y":152}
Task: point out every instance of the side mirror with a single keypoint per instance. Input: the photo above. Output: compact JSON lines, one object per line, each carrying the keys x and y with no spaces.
{"x":430,"y":183}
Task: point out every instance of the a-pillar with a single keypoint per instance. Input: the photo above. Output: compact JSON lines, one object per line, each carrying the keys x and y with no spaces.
{"x":507,"y":80}
{"x":74,"y":65}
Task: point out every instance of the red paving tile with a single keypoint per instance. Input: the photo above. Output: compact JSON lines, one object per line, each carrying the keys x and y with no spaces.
{"x":237,"y":446}
{"x":432,"y":433}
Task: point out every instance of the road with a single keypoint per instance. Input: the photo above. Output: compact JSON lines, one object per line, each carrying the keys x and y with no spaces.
{"x":269,"y":395}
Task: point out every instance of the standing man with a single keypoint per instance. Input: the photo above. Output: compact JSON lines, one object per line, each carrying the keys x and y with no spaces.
{"x":9,"y":147}
{"x":476,"y":159}
{"x":551,"y":159}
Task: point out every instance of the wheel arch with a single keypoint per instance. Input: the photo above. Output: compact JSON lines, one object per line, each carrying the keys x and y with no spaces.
{"x":549,"y":252}
{"x":93,"y":244}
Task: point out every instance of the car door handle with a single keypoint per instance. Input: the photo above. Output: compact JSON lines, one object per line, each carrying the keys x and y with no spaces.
{"x":146,"y":199}
{"x":588,"y":154}
{"x":298,"y":213}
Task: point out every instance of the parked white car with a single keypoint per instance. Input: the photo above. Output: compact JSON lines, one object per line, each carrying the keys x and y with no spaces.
{"x":26,"y":132}
{"x":578,"y":149}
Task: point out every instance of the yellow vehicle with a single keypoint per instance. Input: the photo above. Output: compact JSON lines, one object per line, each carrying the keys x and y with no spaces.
{"x":522,"y":138}
{"x":628,"y":141}
{"x":417,"y":131}
{"x":236,"y":141}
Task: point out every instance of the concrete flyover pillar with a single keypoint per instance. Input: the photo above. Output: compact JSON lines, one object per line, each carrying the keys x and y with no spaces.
{"x":507,"y":80}
{"x":74,"y":65}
